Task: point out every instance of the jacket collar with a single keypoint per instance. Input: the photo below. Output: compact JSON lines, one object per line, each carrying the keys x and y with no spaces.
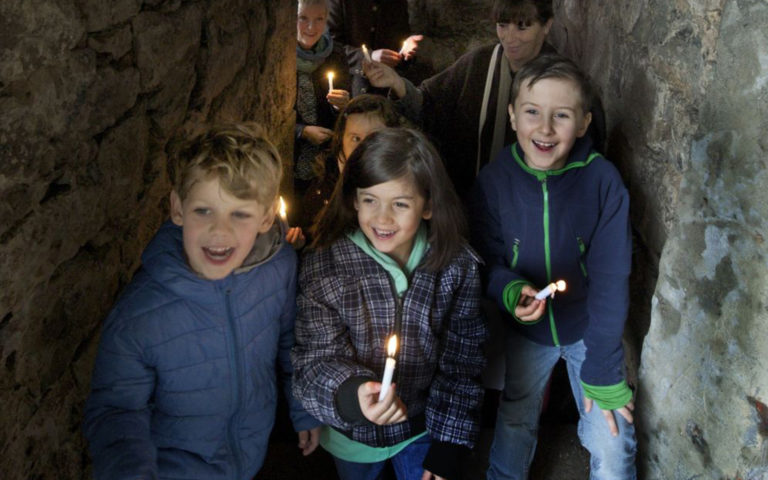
{"x":580,"y":156}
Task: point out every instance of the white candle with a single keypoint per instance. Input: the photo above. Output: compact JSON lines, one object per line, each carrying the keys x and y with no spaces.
{"x":366,"y":54}
{"x":402,"y":49}
{"x":389,"y":367}
{"x":283,"y":215}
{"x":550,"y":289}
{"x":330,"y":81}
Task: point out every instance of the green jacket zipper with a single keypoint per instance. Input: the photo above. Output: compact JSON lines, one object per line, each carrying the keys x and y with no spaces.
{"x":548,"y":260}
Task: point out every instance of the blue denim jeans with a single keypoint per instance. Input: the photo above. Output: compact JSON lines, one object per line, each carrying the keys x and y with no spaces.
{"x":407,"y":464}
{"x":528,"y":369}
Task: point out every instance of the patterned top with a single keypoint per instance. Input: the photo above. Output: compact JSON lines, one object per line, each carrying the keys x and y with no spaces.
{"x":347,"y":310}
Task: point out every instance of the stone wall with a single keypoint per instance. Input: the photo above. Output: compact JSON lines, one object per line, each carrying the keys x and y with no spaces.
{"x":685,"y":85}
{"x":90,"y":92}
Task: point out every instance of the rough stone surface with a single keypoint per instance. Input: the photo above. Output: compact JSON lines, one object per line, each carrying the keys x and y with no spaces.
{"x":91,"y":92}
{"x":704,"y":374}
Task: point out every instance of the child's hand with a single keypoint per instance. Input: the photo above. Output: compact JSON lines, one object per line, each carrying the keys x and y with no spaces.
{"x":390,"y":410}
{"x":427,"y":475}
{"x":338,"y":98}
{"x":625,"y":411}
{"x":387,"y":57}
{"x":295,"y":237}
{"x":316,"y":135}
{"x":382,"y":76}
{"x":410,"y":46}
{"x":308,"y":440}
{"x":529,"y":309}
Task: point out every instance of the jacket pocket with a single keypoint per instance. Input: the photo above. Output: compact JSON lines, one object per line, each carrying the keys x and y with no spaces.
{"x":582,"y":251}
{"x":515,"y":253}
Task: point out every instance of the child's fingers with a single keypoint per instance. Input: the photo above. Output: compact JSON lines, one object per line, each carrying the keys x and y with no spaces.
{"x":626,"y":413}
{"x":608,"y":415}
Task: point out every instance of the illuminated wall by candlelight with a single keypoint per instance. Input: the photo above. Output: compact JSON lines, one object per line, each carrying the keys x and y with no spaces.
{"x":90,"y":92}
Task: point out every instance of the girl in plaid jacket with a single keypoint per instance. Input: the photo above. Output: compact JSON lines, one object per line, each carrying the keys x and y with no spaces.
{"x":389,"y":258}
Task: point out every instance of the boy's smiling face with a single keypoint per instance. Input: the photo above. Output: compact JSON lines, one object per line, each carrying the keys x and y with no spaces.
{"x":219,"y":228}
{"x":548,"y":118}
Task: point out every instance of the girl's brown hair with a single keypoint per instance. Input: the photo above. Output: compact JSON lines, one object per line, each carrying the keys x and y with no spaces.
{"x":392,"y":154}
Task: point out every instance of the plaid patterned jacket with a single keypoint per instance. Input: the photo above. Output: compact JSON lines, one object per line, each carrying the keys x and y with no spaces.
{"x":347,"y":308}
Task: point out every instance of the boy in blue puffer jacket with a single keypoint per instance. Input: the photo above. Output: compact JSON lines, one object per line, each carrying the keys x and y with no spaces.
{"x":185,"y":381}
{"x":550,"y":208}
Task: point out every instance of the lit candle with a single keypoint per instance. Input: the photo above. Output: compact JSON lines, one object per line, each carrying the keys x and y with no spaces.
{"x":330,"y":81}
{"x":283,"y":215}
{"x":550,"y":289}
{"x":402,"y":49}
{"x":389,"y":367}
{"x":366,"y":54}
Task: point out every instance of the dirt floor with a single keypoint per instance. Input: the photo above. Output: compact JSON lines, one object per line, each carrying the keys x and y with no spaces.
{"x":559,"y":455}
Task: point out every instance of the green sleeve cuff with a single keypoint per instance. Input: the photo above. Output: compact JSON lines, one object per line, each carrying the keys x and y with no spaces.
{"x":511,"y":295}
{"x":609,"y":397}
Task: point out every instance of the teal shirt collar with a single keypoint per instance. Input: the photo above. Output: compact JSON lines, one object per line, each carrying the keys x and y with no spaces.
{"x":399,"y":276}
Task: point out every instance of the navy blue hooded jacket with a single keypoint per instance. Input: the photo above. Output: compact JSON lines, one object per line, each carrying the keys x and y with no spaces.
{"x":185,"y":381}
{"x":570,"y":224}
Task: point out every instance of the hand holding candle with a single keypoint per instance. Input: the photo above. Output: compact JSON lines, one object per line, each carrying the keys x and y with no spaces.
{"x":294,"y":235}
{"x":389,"y":367}
{"x":550,"y":289}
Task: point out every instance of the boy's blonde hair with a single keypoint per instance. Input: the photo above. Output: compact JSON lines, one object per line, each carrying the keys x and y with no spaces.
{"x":245,"y":162}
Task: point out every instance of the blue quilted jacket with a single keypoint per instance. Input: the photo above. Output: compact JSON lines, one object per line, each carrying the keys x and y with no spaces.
{"x":185,"y":381}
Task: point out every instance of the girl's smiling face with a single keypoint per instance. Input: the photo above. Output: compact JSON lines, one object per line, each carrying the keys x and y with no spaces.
{"x":390,"y":214}
{"x":548,"y":117}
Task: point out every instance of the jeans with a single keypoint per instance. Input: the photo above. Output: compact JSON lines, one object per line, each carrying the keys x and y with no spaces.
{"x":529,"y":366}
{"x":407,"y":464}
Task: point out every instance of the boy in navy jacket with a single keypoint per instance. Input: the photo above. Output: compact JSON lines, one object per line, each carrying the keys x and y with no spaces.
{"x":549,"y":208}
{"x":185,"y":381}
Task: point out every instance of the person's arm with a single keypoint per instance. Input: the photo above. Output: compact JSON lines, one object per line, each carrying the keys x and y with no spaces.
{"x":117,"y":413}
{"x":326,"y":373}
{"x":455,"y":395}
{"x":608,"y":263}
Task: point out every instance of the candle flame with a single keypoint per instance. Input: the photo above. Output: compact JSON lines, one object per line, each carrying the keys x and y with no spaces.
{"x":283,"y":215}
{"x":560,"y":284}
{"x":392,"y":346}
{"x":330,"y":76}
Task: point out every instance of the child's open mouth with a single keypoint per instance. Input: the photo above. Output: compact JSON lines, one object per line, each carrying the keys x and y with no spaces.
{"x":383,"y":234}
{"x":543,"y":146}
{"x":218,"y":254}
